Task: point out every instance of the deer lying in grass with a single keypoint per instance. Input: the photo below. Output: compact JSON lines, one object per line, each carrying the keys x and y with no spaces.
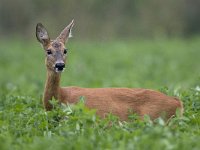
{"x":118,"y":101}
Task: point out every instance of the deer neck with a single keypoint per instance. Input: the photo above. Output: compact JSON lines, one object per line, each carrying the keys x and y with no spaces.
{"x":52,"y":88}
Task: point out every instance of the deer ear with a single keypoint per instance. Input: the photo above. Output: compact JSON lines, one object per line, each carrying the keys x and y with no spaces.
{"x":66,"y":33}
{"x":42,"y":35}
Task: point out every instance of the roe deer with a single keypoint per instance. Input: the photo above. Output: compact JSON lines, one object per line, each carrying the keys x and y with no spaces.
{"x":118,"y":101}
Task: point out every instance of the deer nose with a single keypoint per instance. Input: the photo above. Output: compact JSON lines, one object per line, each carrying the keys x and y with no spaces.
{"x":60,"y":66}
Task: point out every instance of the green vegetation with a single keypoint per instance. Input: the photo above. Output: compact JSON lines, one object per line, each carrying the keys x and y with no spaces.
{"x":171,"y":66}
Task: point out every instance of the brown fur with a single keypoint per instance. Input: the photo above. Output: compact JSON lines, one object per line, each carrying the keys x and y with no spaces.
{"x":117,"y":101}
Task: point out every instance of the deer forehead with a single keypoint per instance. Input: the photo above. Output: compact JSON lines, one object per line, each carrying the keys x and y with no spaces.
{"x":56,"y":45}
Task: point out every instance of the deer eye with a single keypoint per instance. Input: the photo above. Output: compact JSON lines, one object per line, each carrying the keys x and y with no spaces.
{"x":49,"y":52}
{"x":65,"y":51}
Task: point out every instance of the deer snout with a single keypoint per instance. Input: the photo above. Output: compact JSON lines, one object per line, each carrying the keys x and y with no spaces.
{"x":59,"y":66}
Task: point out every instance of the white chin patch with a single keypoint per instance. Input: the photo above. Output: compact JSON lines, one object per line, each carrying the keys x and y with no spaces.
{"x":59,"y":71}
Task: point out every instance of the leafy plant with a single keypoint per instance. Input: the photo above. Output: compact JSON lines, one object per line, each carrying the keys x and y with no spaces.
{"x":24,"y":124}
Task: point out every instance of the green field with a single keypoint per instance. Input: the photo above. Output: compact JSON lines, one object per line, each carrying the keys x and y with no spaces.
{"x":171,"y":66}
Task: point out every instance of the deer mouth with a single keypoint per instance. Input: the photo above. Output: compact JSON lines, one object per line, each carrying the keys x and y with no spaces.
{"x":59,"y":69}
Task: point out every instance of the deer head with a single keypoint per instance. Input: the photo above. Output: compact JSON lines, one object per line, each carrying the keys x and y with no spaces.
{"x":55,"y":50}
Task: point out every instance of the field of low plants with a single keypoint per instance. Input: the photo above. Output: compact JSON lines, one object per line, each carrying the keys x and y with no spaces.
{"x":168,"y":65}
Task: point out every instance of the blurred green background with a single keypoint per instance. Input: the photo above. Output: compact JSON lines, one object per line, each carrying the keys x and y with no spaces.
{"x":129,"y":43}
{"x":102,"y":19}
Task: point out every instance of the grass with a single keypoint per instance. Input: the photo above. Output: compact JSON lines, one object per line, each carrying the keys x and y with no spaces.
{"x":171,"y":66}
